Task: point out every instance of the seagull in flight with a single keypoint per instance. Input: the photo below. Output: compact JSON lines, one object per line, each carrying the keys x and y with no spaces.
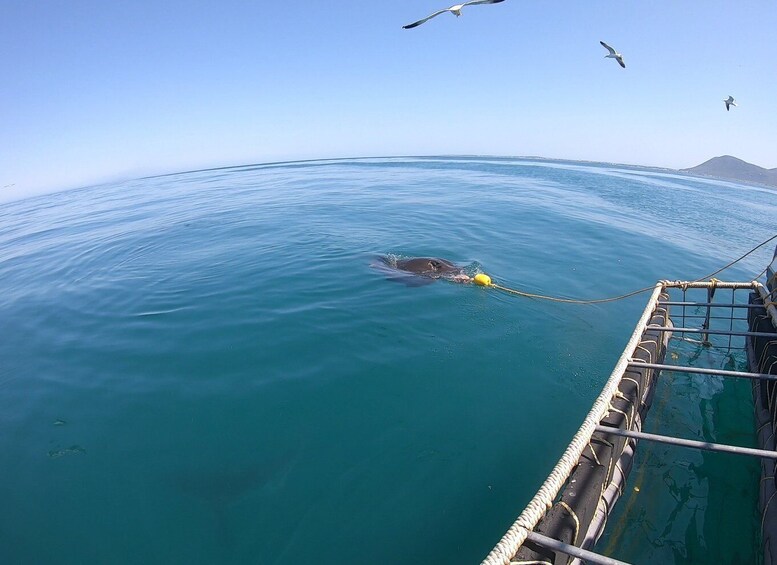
{"x":729,"y":102}
{"x":455,"y":10}
{"x":613,"y":54}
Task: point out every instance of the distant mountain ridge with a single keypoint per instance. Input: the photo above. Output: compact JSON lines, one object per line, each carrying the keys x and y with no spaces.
{"x":731,"y":168}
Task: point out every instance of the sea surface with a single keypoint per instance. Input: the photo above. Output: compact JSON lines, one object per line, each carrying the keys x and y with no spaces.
{"x":210,"y":367}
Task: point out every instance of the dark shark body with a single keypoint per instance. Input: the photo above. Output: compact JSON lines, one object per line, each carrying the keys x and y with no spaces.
{"x":428,"y":267}
{"x":417,"y":271}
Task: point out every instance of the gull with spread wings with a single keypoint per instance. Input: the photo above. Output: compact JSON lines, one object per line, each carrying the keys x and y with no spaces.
{"x":613,"y":54}
{"x":455,"y":10}
{"x":729,"y":102}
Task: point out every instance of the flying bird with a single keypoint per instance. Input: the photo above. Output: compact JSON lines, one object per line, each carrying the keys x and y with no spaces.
{"x":613,"y":54}
{"x":729,"y":102}
{"x":455,"y":10}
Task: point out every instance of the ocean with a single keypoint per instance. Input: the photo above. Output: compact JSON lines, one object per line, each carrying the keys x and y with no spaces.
{"x":210,"y":367}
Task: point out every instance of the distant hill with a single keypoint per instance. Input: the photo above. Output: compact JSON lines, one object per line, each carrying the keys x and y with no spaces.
{"x":731,"y":168}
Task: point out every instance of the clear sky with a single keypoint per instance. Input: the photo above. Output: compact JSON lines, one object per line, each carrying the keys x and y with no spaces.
{"x":94,"y":91}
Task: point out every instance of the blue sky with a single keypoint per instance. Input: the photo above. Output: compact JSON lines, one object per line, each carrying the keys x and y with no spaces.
{"x":98,"y":91}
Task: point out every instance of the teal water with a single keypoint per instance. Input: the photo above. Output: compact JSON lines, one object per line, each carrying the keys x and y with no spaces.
{"x":207,"y":368}
{"x":687,"y":506}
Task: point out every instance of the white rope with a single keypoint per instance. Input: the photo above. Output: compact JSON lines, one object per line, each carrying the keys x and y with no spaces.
{"x":535,"y":510}
{"x":618,"y":484}
{"x":574,"y":517}
{"x":639,"y":395}
{"x":599,"y":463}
{"x":770,"y":309}
{"x":629,"y":418}
{"x":647,"y":351}
{"x":626,"y":416}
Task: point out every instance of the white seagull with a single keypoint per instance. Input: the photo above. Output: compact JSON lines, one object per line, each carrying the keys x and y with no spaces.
{"x":455,"y":10}
{"x":729,"y":102}
{"x":613,"y":54}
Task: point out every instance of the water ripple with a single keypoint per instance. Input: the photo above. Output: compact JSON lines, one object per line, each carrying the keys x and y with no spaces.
{"x":223,"y":319}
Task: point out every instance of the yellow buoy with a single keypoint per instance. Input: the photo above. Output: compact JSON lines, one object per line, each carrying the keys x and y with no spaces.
{"x":482,"y":279}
